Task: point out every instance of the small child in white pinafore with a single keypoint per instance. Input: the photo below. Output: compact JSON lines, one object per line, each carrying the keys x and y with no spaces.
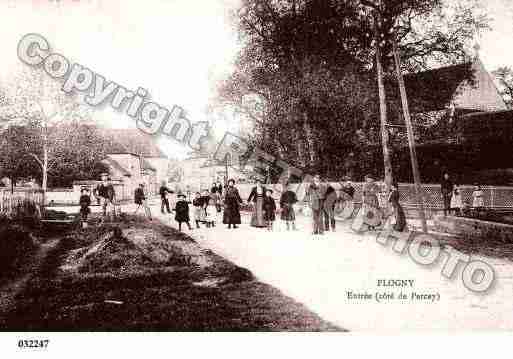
{"x":210,"y":213}
{"x":456,"y":201}
{"x":477,"y":195}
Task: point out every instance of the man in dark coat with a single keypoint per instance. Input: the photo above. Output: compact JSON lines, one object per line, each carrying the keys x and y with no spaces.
{"x":164,"y":201}
{"x":105,"y":191}
{"x":447,"y":189}
{"x":85,"y":202}
{"x":140,"y":201}
{"x":330,"y":201}
{"x":315,"y":196}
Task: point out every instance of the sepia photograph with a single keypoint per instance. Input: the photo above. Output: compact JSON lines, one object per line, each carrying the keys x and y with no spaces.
{"x":310,"y":166}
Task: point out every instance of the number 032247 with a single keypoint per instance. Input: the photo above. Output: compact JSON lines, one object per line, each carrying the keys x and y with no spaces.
{"x":33,"y":343}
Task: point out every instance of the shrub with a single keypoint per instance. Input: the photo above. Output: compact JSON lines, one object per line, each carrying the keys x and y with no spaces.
{"x":27,"y":213}
{"x":16,"y":244}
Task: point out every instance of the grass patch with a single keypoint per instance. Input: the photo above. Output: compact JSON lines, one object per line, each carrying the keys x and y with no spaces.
{"x":199,"y":292}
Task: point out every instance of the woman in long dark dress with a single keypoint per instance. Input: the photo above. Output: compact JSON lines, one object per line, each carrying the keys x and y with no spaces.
{"x":257,"y":197}
{"x":400,"y":218}
{"x":232,"y":201}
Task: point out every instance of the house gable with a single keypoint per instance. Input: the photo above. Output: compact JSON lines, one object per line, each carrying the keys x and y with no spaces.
{"x":480,"y":94}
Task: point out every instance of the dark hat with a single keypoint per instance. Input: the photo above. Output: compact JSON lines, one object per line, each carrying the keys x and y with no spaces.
{"x":180,"y":195}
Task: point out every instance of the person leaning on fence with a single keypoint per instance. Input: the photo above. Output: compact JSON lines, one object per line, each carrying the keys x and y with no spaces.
{"x":140,"y":201}
{"x":447,"y":190}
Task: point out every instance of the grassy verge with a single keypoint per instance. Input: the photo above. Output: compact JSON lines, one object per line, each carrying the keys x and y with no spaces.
{"x":142,"y":276}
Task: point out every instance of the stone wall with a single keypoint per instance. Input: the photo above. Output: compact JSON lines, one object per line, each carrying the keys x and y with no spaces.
{"x":473,"y":228}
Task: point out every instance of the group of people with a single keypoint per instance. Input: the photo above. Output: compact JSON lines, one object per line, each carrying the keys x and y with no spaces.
{"x":377,"y":207}
{"x":323,"y":204}
{"x":105,"y":196}
{"x":453,"y":201}
{"x":206,"y":207}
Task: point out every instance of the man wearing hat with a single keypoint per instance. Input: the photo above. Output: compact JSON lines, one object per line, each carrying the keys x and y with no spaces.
{"x":106,"y":193}
{"x":315,"y":196}
{"x":140,"y":201}
{"x":85,"y":202}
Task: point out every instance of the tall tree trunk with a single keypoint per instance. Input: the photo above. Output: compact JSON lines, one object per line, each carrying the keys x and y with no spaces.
{"x":309,"y":140}
{"x":45,"y":164}
{"x":300,"y":148}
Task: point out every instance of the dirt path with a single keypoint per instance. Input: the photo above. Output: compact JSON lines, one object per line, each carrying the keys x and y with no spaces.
{"x":9,"y":291}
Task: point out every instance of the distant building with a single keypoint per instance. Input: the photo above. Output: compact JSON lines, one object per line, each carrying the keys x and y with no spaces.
{"x":200,"y":171}
{"x":464,"y":101}
{"x":133,"y":157}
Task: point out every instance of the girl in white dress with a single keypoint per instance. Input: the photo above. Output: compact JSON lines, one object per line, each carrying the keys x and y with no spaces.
{"x":477,"y":195}
{"x":456,"y":202}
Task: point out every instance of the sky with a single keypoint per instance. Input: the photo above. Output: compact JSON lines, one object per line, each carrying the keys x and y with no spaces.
{"x":176,"y":49}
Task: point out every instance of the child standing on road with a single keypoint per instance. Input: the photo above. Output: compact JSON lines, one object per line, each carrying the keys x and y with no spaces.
{"x":287,"y":201}
{"x":199,"y":210}
{"x":85,"y":202}
{"x":210,"y":214}
{"x":269,"y":209}
{"x":182,"y":212}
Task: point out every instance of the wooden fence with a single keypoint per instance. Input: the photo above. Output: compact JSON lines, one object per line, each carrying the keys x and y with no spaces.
{"x":10,"y":201}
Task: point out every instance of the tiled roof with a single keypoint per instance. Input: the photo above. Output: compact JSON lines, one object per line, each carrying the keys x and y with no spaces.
{"x":131,"y":141}
{"x":115,"y":164}
{"x":433,"y":90}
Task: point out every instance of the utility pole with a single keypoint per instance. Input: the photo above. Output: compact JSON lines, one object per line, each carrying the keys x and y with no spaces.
{"x":382,"y":102}
{"x":411,"y":138}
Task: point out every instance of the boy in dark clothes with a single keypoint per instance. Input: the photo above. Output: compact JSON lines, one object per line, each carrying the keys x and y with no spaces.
{"x":182,"y":212}
{"x":164,"y":201}
{"x":287,"y":201}
{"x":85,"y":202}
{"x":140,"y":200}
{"x":269,"y":209}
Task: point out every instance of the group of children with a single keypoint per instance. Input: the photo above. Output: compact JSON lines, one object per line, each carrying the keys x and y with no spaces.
{"x":458,"y":206}
{"x":206,"y":209}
